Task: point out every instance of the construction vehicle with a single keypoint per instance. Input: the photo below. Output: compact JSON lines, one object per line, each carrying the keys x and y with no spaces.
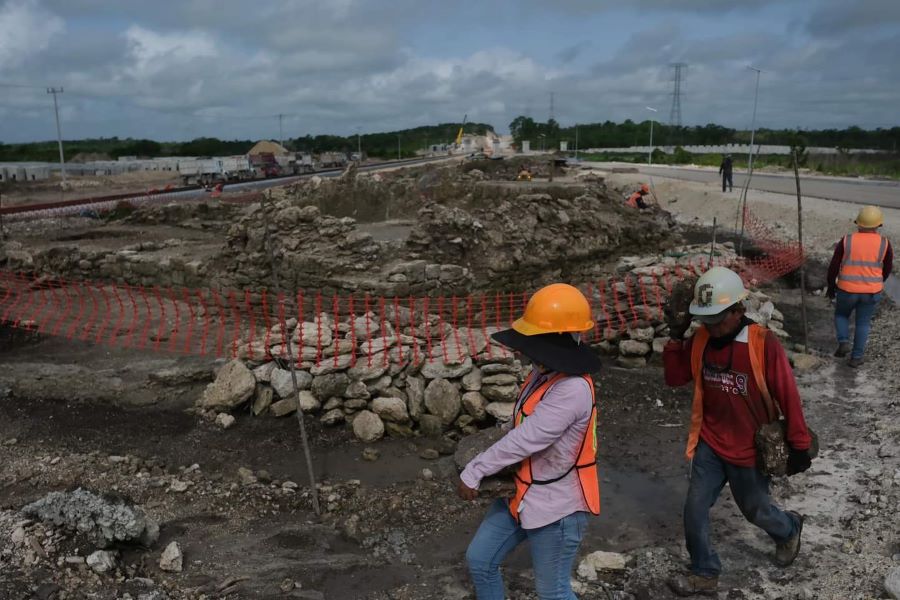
{"x":332,"y":160}
{"x":207,"y":171}
{"x":459,"y":134}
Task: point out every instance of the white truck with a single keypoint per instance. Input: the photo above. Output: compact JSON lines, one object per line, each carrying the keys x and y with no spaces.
{"x":206,"y":171}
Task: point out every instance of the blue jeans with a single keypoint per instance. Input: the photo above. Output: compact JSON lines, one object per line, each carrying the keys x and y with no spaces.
{"x":553,"y":550}
{"x":750,"y":489}
{"x":864,"y":305}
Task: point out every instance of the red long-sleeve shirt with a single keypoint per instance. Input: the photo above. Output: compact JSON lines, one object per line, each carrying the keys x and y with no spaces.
{"x":835,"y":267}
{"x":728,"y":426}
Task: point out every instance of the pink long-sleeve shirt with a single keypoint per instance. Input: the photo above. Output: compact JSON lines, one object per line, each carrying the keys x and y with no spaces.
{"x":552,"y":437}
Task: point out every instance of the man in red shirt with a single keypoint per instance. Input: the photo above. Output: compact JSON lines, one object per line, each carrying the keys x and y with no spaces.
{"x":729,"y":359}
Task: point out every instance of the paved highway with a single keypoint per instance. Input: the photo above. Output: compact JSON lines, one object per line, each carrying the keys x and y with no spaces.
{"x":881,"y":193}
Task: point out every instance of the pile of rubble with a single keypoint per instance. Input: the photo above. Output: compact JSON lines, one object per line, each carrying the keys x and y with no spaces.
{"x":375,"y":384}
{"x":647,"y":280}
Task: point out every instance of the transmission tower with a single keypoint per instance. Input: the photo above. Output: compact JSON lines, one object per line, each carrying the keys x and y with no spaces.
{"x":675,"y":113}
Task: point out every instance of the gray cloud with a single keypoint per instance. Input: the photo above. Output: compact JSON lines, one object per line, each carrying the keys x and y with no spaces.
{"x":181,"y":69}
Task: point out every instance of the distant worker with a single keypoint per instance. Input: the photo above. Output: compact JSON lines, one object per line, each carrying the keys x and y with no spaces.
{"x":552,"y":438}
{"x":636,"y":200}
{"x":737,"y":367}
{"x":862,"y":261}
{"x":725,"y":170}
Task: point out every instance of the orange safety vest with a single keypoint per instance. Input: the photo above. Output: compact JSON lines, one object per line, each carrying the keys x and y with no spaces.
{"x":585,"y":464}
{"x":861,"y":270}
{"x":632,"y":200}
{"x":756,"y":341}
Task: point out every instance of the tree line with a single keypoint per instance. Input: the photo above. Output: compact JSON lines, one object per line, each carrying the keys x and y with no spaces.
{"x":607,"y":134}
{"x":630,"y":133}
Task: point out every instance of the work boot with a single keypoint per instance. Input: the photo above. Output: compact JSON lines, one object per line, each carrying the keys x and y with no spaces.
{"x":690,"y":584}
{"x":786,"y":552}
{"x":843,"y":349}
{"x":855,"y":362}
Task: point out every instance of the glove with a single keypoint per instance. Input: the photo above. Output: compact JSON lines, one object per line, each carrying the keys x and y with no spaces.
{"x":798,"y":461}
{"x":678,"y":317}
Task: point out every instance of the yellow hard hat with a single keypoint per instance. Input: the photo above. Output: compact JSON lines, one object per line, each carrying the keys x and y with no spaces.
{"x":870,"y":216}
{"x":556,"y":308}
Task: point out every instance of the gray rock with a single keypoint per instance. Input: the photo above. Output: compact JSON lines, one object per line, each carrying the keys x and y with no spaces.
{"x":659,"y":344}
{"x":415,"y":396}
{"x":263,"y":373}
{"x":307,"y":402}
{"x":366,"y":370}
{"x":472,"y":445}
{"x":436,"y":369}
{"x":642,"y":334}
{"x":104,"y":521}
{"x":499,"y":379}
{"x":442,"y":399}
{"x":892,"y":583}
{"x":496,"y":367}
{"x":332,"y":417}
{"x":333,"y":384}
{"x":263,"y":400}
{"x":474,"y":405}
{"x":171,"y":559}
{"x":232,"y":387}
{"x":391,"y":409}
{"x":379,"y":385}
{"x":634,"y":348}
{"x":355,"y":403}
{"x":101,"y":561}
{"x":471,"y":381}
{"x":368,"y":426}
{"x":332,"y":365}
{"x":284,"y":386}
{"x":357,"y":389}
{"x":500,"y":393}
{"x":631,"y":362}
{"x":502,"y":411}
{"x":224,"y":420}
{"x":431,"y":425}
{"x":283,"y":408}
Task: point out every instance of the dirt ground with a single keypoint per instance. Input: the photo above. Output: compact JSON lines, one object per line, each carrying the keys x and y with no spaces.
{"x":53,"y":190}
{"x":393,"y":528}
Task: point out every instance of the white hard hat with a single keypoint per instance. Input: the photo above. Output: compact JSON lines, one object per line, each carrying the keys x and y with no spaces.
{"x":716,"y":290}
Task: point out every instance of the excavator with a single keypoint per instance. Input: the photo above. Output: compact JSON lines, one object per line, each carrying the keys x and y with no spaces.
{"x":459,"y":134}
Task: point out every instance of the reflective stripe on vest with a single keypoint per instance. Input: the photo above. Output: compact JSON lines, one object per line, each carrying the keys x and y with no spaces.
{"x":585,"y":464}
{"x":756,"y":343}
{"x":861,"y":269}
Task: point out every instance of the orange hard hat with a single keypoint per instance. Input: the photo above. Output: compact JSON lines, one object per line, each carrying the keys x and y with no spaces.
{"x":556,"y":308}
{"x":645,"y":188}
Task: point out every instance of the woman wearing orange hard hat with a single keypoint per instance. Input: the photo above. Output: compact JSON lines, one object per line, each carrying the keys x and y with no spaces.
{"x":552,"y":437}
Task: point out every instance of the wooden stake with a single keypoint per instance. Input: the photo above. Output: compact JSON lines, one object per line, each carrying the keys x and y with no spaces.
{"x":290,"y":355}
{"x":800,"y":249}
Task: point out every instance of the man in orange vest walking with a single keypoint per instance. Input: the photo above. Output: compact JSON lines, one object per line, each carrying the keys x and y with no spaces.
{"x":732,"y":363}
{"x":862,"y":261}
{"x":553,"y":440}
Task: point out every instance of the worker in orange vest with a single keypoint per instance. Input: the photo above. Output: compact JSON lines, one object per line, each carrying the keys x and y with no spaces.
{"x":636,"y":200}
{"x":862,"y":261}
{"x":552,"y":438}
{"x":733,"y":364}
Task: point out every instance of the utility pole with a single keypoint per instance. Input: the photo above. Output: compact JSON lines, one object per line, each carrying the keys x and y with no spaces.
{"x":358,"y":145}
{"x":398,"y":146}
{"x":280,"y":130}
{"x":62,"y":159}
{"x":650,"y":152}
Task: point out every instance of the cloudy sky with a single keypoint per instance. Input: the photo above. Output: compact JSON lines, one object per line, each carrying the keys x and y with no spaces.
{"x":180,"y":69}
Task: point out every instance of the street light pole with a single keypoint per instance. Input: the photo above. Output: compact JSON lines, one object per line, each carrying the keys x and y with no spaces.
{"x":62,"y":160}
{"x":358,"y":145}
{"x":650,"y":152}
{"x":398,"y":147}
{"x":576,"y":143}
